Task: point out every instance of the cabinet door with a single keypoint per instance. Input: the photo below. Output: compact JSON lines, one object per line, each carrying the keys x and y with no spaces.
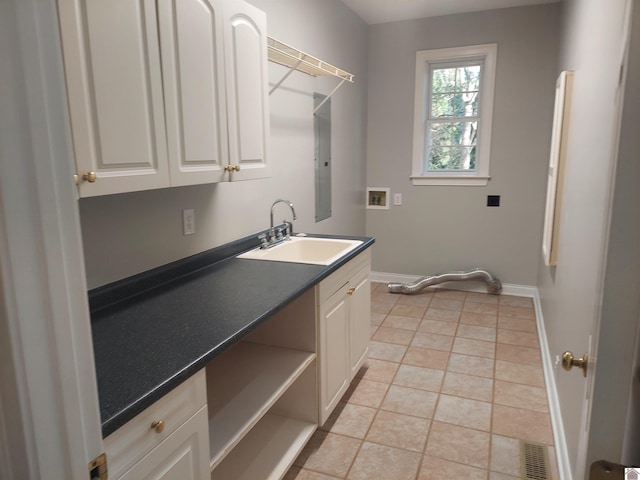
{"x":359,"y":319}
{"x":184,"y":455}
{"x":191,"y":38}
{"x":114,"y":89}
{"x":334,"y":345}
{"x":245,"y":31}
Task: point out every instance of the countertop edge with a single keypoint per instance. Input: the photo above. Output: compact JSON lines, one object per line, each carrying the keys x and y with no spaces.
{"x":132,"y":286}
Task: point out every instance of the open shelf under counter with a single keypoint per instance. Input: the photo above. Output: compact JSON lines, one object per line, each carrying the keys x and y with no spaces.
{"x":267,"y":451}
{"x":247,"y":381}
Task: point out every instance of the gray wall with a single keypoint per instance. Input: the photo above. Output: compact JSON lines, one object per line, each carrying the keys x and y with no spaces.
{"x":130,"y":233}
{"x":442,"y":228}
{"x":571,"y":293}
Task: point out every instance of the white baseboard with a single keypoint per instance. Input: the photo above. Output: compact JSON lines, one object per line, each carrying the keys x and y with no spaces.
{"x":466,"y":286}
{"x":559,"y":439}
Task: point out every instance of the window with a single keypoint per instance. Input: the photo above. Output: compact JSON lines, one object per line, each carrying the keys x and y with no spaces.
{"x":453,"y":110}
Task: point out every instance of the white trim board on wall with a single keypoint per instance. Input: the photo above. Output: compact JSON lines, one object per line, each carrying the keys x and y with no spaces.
{"x":548,"y":364}
{"x":550,"y":368}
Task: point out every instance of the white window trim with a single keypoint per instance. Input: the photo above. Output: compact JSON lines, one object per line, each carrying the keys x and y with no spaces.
{"x":424,"y":59}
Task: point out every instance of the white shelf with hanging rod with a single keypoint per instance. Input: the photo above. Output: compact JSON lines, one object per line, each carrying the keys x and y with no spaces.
{"x":297,"y":60}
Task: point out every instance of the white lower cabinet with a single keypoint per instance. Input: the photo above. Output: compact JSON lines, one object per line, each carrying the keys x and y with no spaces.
{"x":343,"y":329}
{"x":359,"y":318}
{"x":334,"y":343}
{"x":262,"y":396}
{"x":249,"y":413}
{"x":168,"y":440}
{"x":182,"y":456}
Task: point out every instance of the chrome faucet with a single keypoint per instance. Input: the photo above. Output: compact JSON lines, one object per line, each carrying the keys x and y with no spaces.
{"x":275,"y":233}
{"x":280,"y":200}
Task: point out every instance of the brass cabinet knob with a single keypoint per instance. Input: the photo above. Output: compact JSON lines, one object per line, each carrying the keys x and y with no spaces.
{"x":569,"y":361}
{"x":236,"y":168}
{"x":351,"y":290}
{"x":158,"y":426}
{"x":90,"y":177}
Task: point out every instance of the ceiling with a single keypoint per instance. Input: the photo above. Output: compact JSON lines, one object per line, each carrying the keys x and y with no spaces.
{"x":382,"y":11}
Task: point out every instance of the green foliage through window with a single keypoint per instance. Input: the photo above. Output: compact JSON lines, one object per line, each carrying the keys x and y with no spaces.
{"x":452,"y":126}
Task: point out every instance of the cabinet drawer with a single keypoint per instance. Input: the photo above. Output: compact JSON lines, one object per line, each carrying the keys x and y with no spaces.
{"x":183,"y":455}
{"x":337,"y":279}
{"x":136,"y":438}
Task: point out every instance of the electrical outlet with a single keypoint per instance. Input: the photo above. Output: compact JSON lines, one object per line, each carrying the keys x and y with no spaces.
{"x":397,"y":199}
{"x":188,"y":222}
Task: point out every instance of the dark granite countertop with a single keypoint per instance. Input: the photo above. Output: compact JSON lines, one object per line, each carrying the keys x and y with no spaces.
{"x":154,"y":330}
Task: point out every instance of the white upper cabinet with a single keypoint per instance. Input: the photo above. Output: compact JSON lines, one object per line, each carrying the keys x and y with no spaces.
{"x":246,"y":61}
{"x":165,"y":93}
{"x":192,"y":52}
{"x":112,"y":66}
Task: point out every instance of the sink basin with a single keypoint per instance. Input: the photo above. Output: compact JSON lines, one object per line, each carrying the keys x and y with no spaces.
{"x":317,"y":251}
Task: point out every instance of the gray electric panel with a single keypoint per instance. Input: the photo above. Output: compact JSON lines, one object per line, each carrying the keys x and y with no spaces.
{"x":322,"y":130}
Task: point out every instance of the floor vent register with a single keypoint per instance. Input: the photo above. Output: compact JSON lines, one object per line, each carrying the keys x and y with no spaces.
{"x":534,"y":461}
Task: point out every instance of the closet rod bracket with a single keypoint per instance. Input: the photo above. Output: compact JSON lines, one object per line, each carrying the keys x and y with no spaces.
{"x":294,"y":59}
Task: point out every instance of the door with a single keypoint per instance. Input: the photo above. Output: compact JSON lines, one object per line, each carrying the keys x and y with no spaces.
{"x":583,"y":297}
{"x":114,"y":88}
{"x":334,"y":345}
{"x":191,"y":38}
{"x":613,"y":431}
{"x":359,"y":319}
{"x":247,"y":81}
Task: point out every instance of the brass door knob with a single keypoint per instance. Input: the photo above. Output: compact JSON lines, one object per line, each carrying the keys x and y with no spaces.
{"x":569,"y":361}
{"x":158,"y":426}
{"x":90,"y":177}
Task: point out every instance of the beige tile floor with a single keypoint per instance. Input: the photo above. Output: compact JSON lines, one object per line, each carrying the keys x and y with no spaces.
{"x":452,"y":382}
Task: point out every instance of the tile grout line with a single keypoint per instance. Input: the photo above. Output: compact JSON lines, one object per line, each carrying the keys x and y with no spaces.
{"x":439,"y":393}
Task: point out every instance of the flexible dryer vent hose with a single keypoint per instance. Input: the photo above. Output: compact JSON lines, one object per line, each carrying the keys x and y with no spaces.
{"x":494,"y":286}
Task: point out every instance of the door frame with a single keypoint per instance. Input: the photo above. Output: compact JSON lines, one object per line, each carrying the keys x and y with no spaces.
{"x":48,"y":401}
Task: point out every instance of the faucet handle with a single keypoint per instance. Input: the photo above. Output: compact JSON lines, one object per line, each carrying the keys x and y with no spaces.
{"x":264,"y":243}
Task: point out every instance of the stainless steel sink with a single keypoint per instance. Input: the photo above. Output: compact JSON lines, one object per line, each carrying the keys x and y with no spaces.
{"x":317,"y":251}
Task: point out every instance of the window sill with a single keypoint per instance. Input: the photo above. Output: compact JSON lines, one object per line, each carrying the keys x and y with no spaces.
{"x":451,"y":180}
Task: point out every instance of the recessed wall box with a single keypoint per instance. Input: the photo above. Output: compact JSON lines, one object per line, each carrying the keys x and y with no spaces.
{"x":378,"y":198}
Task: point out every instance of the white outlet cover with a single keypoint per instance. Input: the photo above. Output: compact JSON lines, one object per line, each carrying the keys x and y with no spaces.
{"x":188,"y":222}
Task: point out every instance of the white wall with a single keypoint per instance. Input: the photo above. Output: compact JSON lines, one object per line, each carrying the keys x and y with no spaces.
{"x":440,"y":228}
{"x":129,"y":233}
{"x":571,"y":292}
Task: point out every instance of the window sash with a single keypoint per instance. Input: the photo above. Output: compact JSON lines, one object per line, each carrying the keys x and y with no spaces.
{"x":431,"y":67}
{"x":426,"y":62}
{"x":432,"y":120}
{"x":431,"y":147}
